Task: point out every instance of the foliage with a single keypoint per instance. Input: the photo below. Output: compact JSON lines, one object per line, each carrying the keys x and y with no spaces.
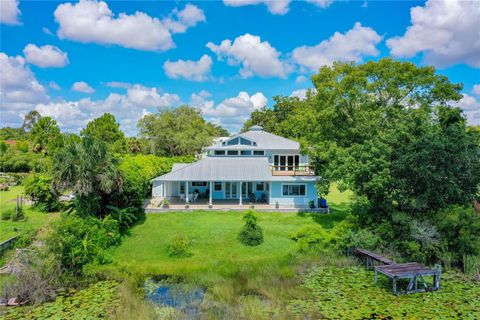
{"x":45,"y":136}
{"x":76,"y":241}
{"x":7,"y":214}
{"x":106,"y":129}
{"x":7,"y":133}
{"x":309,"y":237}
{"x":97,"y":301}
{"x":349,"y":293}
{"x":40,"y":189}
{"x":17,"y":160}
{"x":178,"y":131}
{"x":125,"y":217}
{"x":89,"y":170}
{"x":30,"y":120}
{"x":179,"y":247}
{"x":252,"y":233}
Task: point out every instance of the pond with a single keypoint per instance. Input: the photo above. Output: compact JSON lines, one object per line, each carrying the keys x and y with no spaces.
{"x":181,"y":297}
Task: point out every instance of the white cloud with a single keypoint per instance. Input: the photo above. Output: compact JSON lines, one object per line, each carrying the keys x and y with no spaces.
{"x":231,"y":112}
{"x":118,"y":84}
{"x":53,"y":85}
{"x":274,"y":6}
{"x":321,"y":3}
{"x":471,"y":107}
{"x":476,"y":89}
{"x":82,"y":86}
{"x":188,"y":69}
{"x":301,"y":79}
{"x":9,"y":12}
{"x":446,"y":31}
{"x":350,"y":46}
{"x":147,"y":97}
{"x":45,"y":56}
{"x":256,"y":57}
{"x":300,"y":94}
{"x":93,"y":21}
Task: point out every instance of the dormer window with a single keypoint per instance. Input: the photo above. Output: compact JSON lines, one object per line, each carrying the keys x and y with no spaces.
{"x":239,"y":141}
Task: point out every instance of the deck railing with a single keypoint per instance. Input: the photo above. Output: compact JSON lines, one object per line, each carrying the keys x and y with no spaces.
{"x":301,"y":170}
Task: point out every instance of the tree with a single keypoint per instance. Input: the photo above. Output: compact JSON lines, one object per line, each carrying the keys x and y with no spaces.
{"x":106,"y":129}
{"x":177,"y":132}
{"x":45,"y":136}
{"x":88,"y":169}
{"x":40,"y":189}
{"x":30,"y":119}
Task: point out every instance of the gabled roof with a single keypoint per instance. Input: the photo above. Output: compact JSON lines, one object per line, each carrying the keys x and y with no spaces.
{"x":177,"y":166}
{"x":264,"y":141}
{"x":221,"y":169}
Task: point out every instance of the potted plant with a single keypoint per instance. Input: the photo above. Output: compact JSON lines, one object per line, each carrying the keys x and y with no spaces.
{"x":187,"y":204}
{"x":210,"y":206}
{"x":311,"y":204}
{"x":166,"y":203}
{"x":277,"y":205}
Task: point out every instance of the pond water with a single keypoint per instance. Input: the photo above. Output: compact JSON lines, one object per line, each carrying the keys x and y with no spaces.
{"x":182,"y":297}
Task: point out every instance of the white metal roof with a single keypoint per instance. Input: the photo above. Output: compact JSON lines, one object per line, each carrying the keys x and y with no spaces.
{"x":177,"y":166}
{"x":263,"y":139}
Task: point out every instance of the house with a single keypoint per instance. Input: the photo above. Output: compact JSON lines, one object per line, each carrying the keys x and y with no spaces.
{"x":251,"y":167}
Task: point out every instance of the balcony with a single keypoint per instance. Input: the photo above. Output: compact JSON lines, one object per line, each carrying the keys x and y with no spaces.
{"x":301,"y":170}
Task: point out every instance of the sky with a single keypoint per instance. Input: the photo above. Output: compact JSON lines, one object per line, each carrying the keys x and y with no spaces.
{"x":74,"y":61}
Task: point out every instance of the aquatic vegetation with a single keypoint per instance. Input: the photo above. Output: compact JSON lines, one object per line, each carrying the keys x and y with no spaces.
{"x":350,"y":293}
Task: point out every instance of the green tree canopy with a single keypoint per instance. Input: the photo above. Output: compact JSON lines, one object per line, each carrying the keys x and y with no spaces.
{"x":106,"y":129}
{"x":178,"y":131}
{"x":30,"y":119}
{"x":45,"y":136}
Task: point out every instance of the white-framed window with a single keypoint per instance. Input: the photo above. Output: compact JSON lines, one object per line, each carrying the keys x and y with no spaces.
{"x":246,"y":152}
{"x":232,"y":152}
{"x":182,"y":187}
{"x":294,"y":190}
{"x":217,"y":186}
{"x":258,"y":152}
{"x":219,"y":152}
{"x":259,"y":186}
{"x":199,"y":183}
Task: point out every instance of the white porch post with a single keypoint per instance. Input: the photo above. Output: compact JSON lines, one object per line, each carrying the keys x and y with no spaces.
{"x":210,"y":193}
{"x":164,"y":192}
{"x":186,"y":192}
{"x":269,"y":193}
{"x":240,"y":193}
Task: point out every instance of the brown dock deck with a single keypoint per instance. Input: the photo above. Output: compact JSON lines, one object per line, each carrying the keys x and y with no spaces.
{"x":413,"y":271}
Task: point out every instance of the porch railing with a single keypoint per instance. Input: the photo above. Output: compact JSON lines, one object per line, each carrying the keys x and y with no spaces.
{"x":300,"y":170}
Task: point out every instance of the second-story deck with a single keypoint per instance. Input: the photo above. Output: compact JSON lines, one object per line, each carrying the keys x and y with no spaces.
{"x":300,"y":170}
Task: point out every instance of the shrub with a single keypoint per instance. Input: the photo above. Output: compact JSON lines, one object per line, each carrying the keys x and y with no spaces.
{"x":309,"y":237}
{"x":25,"y":238}
{"x":76,"y":241}
{"x":41,"y":191}
{"x":7,"y":214}
{"x":252,"y":233}
{"x":18,"y":214}
{"x":179,"y":247}
{"x":362,"y":238}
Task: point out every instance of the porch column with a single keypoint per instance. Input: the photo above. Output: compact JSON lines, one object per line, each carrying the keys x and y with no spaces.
{"x":186,"y":192}
{"x":164,"y":192}
{"x":269,"y":193}
{"x":210,"y":193}
{"x":240,"y":193}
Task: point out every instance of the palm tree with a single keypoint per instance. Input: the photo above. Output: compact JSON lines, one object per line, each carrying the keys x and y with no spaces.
{"x":87,"y":169}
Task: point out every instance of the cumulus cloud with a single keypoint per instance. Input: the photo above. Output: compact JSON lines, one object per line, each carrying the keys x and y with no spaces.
{"x":53,"y":85}
{"x":82,"y":86}
{"x":300,"y":93}
{"x":476,"y":89}
{"x":231,"y":112}
{"x":301,"y":79}
{"x":93,"y":21}
{"x":188,"y":69}
{"x":275,"y":7}
{"x":445,"y":31}
{"x":321,"y":3}
{"x":147,"y":97}
{"x":46,"y":56}
{"x":353,"y":45}
{"x":9,"y":12}
{"x":255,"y":56}
{"x":19,"y":89}
{"x":471,"y":108}
{"x":118,"y":84}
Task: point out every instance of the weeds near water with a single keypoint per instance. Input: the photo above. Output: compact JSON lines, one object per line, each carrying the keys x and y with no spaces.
{"x":132,"y":304}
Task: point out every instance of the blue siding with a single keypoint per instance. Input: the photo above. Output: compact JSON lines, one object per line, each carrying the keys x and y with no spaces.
{"x":297,"y":201}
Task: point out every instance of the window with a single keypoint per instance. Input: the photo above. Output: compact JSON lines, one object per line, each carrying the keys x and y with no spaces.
{"x":285,"y":162}
{"x":259,"y":186}
{"x":258,"y":153}
{"x":219,"y":152}
{"x":232,"y":152}
{"x":232,"y":142}
{"x":246,"y":152}
{"x":182,"y":187}
{"x":199,"y":183}
{"x":245,"y":142}
{"x":294,"y":190}
{"x":217,"y":186}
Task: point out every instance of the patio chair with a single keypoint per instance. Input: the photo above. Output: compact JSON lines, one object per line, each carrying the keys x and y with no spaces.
{"x":251,"y":197}
{"x":263,"y":198}
{"x":195,"y":197}
{"x":182,"y":197}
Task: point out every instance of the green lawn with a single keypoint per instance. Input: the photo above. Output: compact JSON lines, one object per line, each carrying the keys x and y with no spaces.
{"x":35,"y":219}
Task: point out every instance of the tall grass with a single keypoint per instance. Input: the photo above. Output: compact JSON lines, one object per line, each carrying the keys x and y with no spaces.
{"x":132,"y":304}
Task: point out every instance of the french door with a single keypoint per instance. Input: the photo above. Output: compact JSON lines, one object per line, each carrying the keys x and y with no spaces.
{"x":231,"y":190}
{"x":286,"y":162}
{"x":247,"y":188}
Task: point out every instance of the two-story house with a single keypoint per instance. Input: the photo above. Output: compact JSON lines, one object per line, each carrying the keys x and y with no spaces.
{"x":251,"y":167}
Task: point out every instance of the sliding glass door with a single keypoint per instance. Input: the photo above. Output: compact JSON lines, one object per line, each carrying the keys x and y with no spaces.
{"x":286,"y":162}
{"x":231,"y":190}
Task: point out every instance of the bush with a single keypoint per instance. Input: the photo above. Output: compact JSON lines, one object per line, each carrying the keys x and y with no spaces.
{"x":251,"y":234}
{"x":18,"y":214}
{"x":7,"y":214}
{"x":179,"y":247}
{"x":41,"y":191}
{"x":310,"y":237}
{"x":76,"y":241}
{"x":361,"y":238}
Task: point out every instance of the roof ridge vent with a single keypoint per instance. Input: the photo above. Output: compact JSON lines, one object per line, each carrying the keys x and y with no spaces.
{"x":256,"y":128}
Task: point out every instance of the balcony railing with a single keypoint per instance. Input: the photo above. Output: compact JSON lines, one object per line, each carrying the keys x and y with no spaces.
{"x":302,"y":170}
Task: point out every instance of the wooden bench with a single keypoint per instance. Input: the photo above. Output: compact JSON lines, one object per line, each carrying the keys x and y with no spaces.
{"x":413,"y":271}
{"x":371,"y":257}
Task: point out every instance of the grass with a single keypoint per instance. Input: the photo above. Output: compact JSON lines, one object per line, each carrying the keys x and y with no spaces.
{"x":35,"y":219}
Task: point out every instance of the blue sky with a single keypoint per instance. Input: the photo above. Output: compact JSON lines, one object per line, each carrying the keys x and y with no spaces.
{"x":76,"y":60}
